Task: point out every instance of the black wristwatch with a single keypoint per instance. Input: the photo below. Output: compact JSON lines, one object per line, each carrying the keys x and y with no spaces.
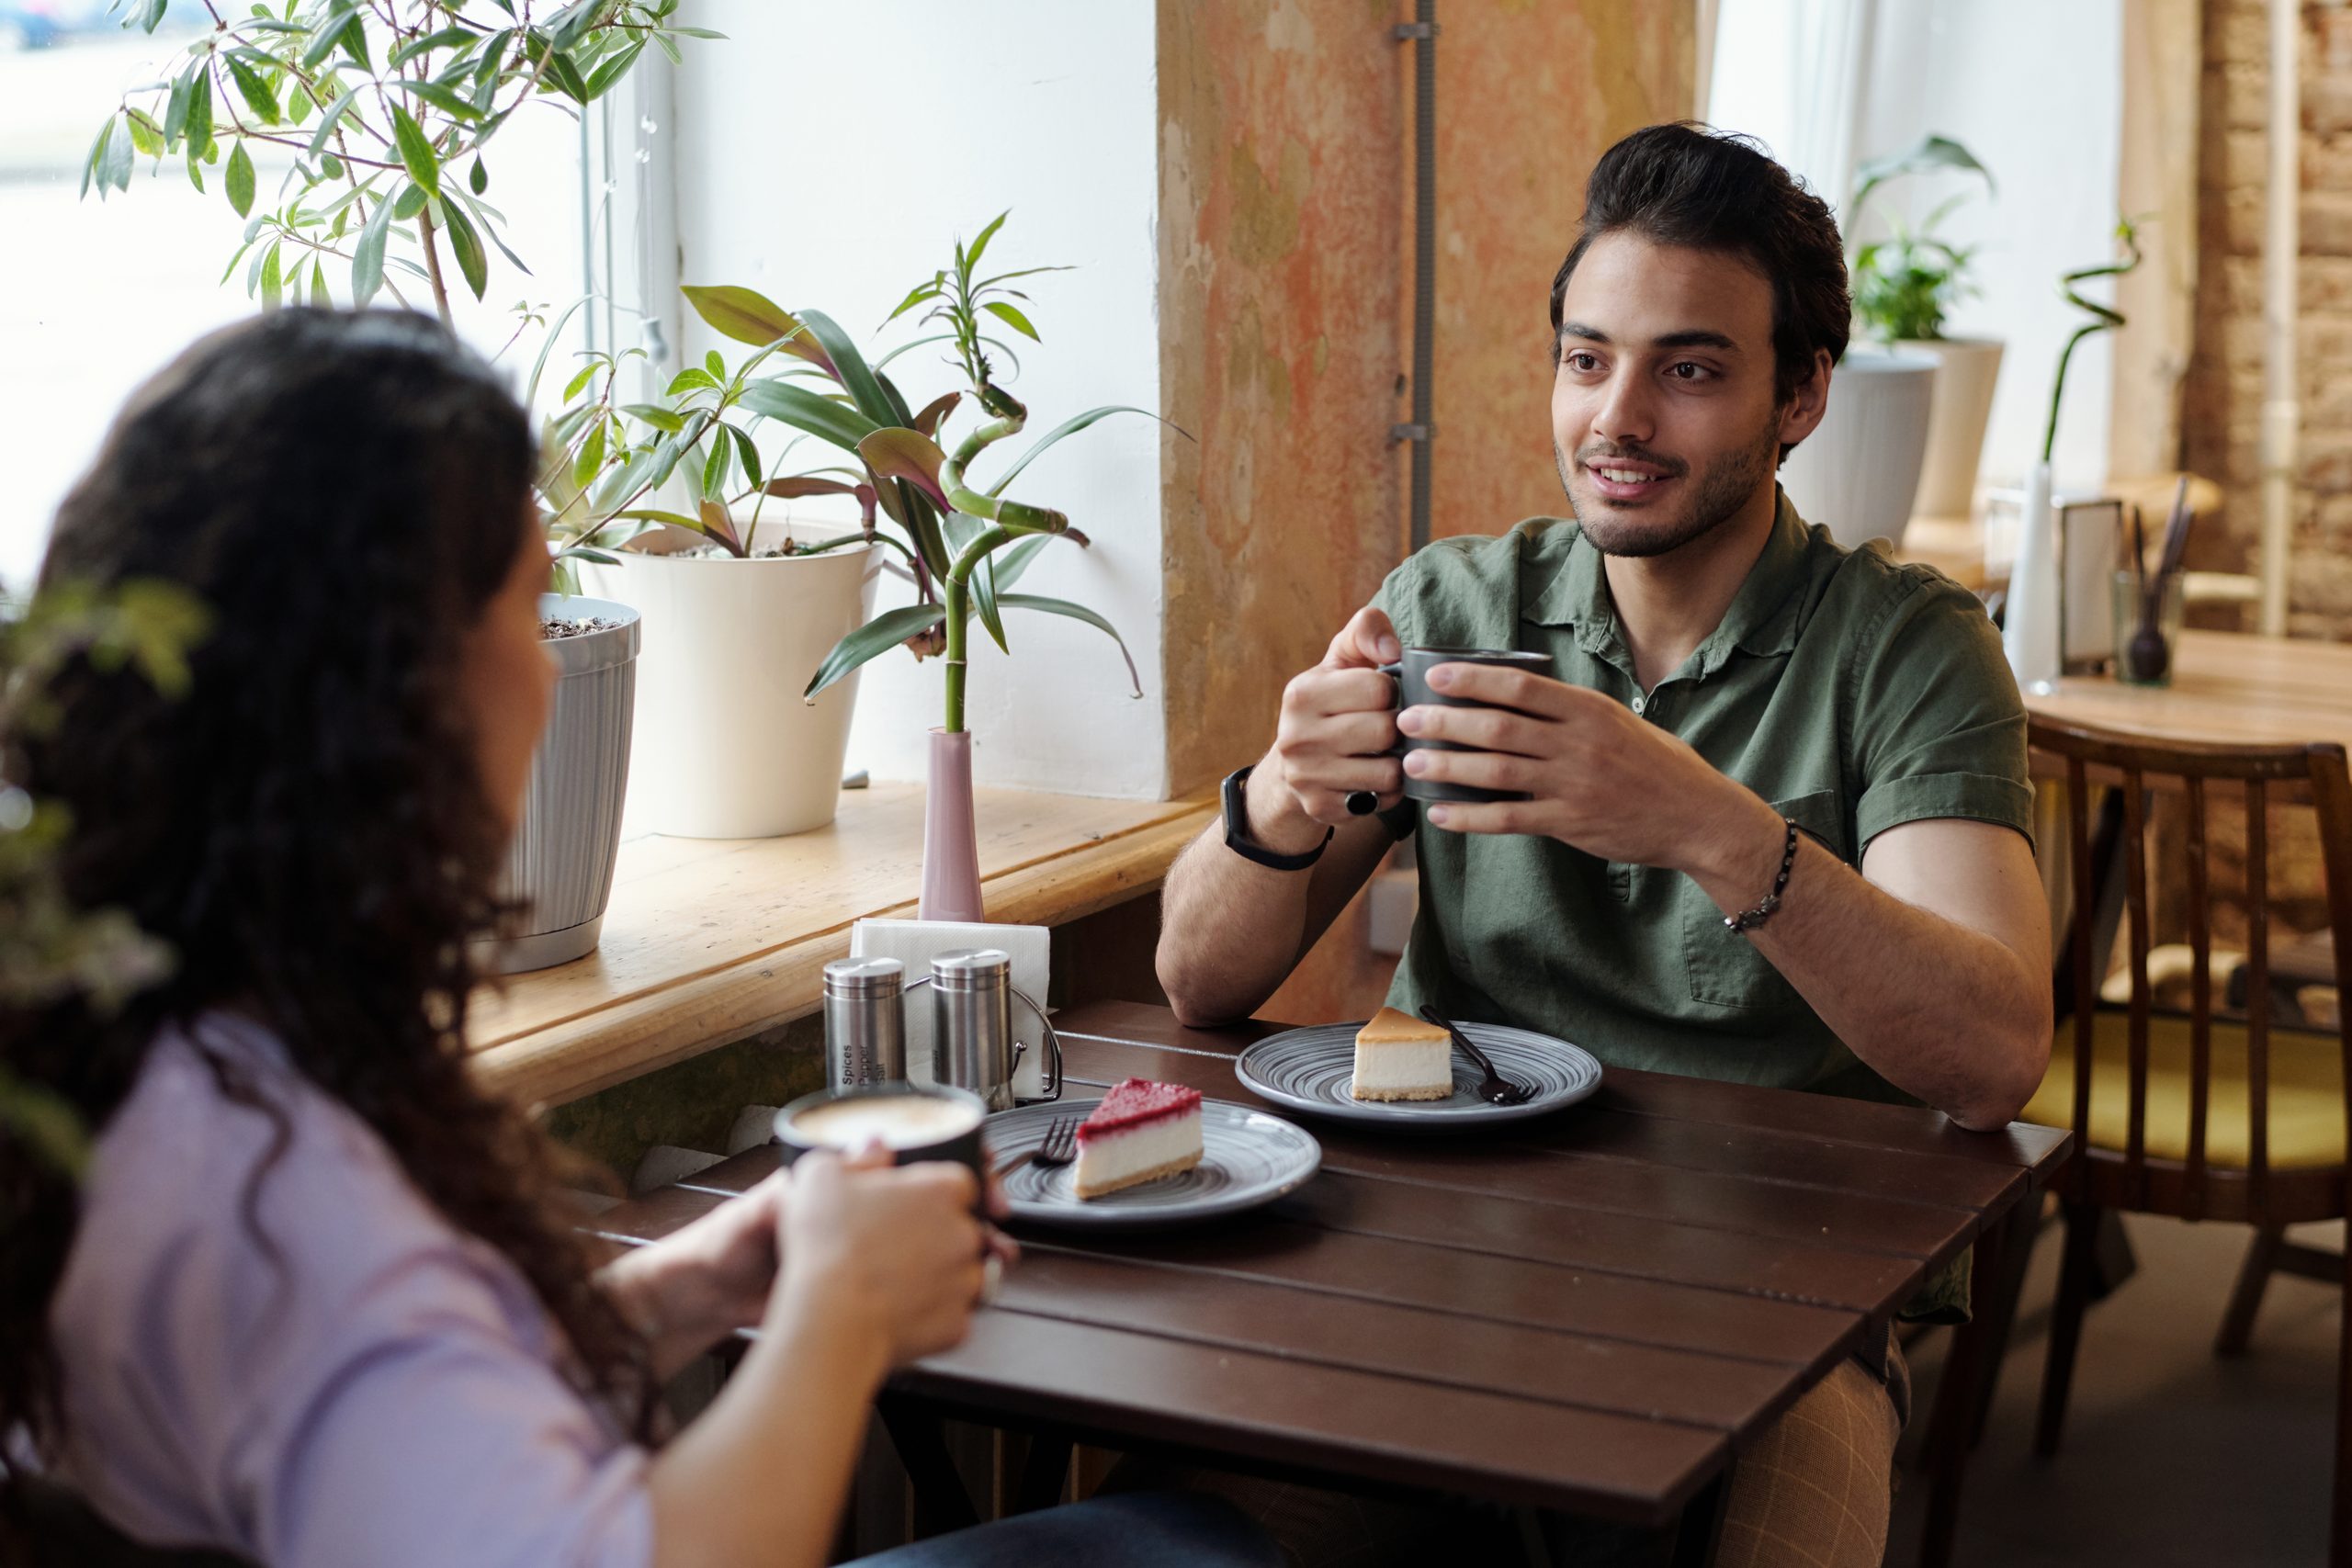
{"x":1237,"y":829}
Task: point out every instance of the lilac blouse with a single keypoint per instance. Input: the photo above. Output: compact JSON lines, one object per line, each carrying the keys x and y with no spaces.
{"x":381,"y":1391}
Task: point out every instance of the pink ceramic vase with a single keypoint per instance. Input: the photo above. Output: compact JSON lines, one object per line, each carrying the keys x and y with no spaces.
{"x":951,"y":853}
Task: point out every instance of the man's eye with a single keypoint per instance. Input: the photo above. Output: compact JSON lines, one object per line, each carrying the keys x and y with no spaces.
{"x":1583,"y":361}
{"x":1687,"y":371}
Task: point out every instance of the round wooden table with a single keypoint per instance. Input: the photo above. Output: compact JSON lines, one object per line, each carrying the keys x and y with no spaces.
{"x":2226,"y":686}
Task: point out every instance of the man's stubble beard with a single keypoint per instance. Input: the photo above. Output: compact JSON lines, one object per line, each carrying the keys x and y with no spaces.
{"x":1720,"y":492}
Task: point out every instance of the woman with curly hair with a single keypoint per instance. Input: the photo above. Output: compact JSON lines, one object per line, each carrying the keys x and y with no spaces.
{"x":313,"y":1301}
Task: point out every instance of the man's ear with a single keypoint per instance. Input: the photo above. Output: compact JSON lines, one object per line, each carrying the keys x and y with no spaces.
{"x":1808,"y":404}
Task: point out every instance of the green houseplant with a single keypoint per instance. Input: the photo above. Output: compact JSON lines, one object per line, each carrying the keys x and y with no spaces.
{"x":387,"y":113}
{"x":1904,"y":288}
{"x":959,"y":539}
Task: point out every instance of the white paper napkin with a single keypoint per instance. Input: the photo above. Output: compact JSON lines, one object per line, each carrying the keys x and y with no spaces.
{"x":916,"y":943}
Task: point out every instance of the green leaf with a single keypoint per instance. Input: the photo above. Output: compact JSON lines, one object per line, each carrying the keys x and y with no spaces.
{"x":984,"y":600}
{"x":253,"y":90}
{"x":655,"y":415}
{"x":716,"y":366}
{"x":748,"y":316}
{"x":319,"y":295}
{"x":714,"y":468}
{"x":578,"y":383}
{"x":466,"y":243}
{"x":330,"y":166}
{"x":146,"y":136}
{"x":410,"y":202}
{"x":1068,"y":428}
{"x":175,"y":111}
{"x":591,"y":457}
{"x":746,"y":454}
{"x":199,"y":128}
{"x":1076,"y":612}
{"x":367,"y":255}
{"x":299,"y":103}
{"x":804,"y":409}
{"x":441,"y":98}
{"x":92,"y":164}
{"x":272,"y":285}
{"x":850,"y":368}
{"x":328,"y":32}
{"x":972,"y":256}
{"x":690,"y":380}
{"x":238,"y":181}
{"x":416,"y":152}
{"x":609,"y":73}
{"x":1014,"y":563}
{"x":477,"y":177}
{"x":897,"y":453}
{"x":916,"y":296}
{"x":444,"y":39}
{"x":874,"y":638}
{"x":1012,"y":318}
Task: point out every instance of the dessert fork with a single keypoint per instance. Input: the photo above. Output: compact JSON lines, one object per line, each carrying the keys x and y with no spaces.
{"x":1493,"y":1088}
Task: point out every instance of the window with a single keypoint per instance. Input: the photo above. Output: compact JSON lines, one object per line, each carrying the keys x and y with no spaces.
{"x":95,"y":296}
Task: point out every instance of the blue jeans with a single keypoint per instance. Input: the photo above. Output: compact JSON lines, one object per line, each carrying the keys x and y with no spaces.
{"x":1135,"y":1529}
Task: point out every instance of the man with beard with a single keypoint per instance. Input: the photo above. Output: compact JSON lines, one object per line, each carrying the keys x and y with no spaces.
{"x":1777,"y":820}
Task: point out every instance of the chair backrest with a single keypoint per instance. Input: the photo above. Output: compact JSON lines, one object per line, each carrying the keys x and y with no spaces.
{"x":2314,"y":774}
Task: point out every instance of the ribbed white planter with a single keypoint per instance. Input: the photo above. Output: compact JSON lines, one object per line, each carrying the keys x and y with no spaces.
{"x":727,"y":746}
{"x":1966,"y":371}
{"x":1859,"y":473}
{"x":560,"y":864}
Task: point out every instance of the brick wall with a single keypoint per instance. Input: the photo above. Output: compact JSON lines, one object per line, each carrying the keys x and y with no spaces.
{"x":2223,"y":397}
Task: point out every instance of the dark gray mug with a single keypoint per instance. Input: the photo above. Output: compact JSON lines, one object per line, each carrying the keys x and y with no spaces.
{"x":915,"y":1122}
{"x":1412,"y":674}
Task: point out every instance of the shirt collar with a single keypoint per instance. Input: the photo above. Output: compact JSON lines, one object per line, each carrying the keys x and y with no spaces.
{"x":1762,"y":617}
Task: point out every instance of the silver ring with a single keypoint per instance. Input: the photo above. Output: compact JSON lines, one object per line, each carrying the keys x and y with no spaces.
{"x":1362,"y":803}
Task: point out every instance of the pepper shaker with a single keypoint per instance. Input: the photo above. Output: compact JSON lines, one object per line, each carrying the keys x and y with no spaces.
{"x":866,"y":1023}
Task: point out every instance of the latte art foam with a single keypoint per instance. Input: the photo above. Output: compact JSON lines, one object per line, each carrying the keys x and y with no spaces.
{"x":894,"y":1121}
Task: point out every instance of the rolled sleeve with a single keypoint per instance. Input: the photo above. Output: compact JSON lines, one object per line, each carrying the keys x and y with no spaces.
{"x":1939,"y":729}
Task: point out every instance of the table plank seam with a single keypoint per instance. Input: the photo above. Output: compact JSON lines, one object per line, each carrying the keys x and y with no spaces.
{"x":1224,"y":1342}
{"x":1521,"y":1323}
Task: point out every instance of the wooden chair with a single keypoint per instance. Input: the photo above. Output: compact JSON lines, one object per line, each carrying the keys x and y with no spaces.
{"x":2189,"y":1116}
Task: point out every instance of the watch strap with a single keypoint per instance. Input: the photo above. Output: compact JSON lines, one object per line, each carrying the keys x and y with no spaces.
{"x":1237,"y":830}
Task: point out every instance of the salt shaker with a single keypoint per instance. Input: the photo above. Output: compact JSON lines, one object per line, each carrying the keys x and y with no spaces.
{"x":866,"y":1023}
{"x":971,"y":1034}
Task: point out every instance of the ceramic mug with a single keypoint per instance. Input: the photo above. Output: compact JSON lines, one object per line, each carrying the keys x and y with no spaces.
{"x":914,"y":1122}
{"x":1411,"y":675}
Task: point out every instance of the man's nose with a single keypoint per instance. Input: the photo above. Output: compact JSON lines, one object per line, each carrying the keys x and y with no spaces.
{"x":1627,"y":413}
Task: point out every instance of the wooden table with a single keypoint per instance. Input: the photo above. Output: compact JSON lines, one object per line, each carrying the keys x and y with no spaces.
{"x":1589,"y":1313}
{"x":2227,"y":686}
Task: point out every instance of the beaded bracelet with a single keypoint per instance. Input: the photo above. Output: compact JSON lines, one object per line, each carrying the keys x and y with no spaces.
{"x":1748,"y":920}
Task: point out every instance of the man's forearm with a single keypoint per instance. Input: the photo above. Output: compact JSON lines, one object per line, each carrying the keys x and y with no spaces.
{"x":1231,"y":930}
{"x":1940,"y":1010}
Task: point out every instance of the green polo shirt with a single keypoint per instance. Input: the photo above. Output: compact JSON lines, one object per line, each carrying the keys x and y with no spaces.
{"x":1853,"y":692}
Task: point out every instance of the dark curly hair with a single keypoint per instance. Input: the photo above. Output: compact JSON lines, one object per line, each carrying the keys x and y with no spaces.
{"x":304,"y":825}
{"x":1704,"y":190}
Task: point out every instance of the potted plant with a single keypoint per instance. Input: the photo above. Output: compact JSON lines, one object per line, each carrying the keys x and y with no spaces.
{"x":703,"y":438}
{"x":389,"y":110}
{"x":1905,"y":286}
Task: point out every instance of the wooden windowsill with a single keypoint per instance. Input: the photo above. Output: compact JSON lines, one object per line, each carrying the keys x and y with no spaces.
{"x":708,"y":940}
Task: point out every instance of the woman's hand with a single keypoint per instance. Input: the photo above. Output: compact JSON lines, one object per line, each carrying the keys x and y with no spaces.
{"x":891,"y":1254}
{"x":702,"y":1283}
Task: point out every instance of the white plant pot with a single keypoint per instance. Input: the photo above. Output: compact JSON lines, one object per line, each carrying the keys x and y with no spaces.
{"x":727,"y":748}
{"x":1859,"y":473}
{"x":1966,"y":369}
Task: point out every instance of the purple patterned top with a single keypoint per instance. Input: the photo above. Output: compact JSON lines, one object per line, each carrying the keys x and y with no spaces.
{"x":384,"y":1391}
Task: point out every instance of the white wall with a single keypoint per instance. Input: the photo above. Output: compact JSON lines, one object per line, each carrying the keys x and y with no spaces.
{"x":828,"y":156}
{"x":2032,"y":87}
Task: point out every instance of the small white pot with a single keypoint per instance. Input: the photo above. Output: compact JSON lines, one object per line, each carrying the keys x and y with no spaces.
{"x":1966,"y":369}
{"x":727,"y":748}
{"x":1859,"y":473}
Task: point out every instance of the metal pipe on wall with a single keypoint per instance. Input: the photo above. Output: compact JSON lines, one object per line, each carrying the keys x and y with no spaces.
{"x":1422,"y":33}
{"x":2281,"y":412}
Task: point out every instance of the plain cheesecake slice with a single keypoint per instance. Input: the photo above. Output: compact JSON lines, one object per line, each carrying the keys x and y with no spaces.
{"x":1399,"y":1057}
{"x":1141,"y":1131}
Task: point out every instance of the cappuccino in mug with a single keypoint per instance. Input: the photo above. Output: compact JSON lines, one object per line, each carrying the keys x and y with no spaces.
{"x":894,"y":1121}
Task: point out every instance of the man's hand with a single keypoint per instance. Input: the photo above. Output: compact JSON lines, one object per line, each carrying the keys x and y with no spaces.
{"x":1338,"y":722}
{"x":1600,"y":779}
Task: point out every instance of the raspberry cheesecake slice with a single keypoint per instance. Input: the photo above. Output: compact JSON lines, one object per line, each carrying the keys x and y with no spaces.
{"x":1141,"y":1131}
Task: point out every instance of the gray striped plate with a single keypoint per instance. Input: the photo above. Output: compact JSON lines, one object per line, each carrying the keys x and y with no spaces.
{"x":1311,"y":1070}
{"x":1247,"y":1158}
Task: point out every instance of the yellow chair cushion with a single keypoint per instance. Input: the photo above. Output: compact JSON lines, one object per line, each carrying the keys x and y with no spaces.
{"x":2306,"y":1092}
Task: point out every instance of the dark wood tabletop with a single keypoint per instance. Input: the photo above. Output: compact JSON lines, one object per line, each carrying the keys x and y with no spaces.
{"x":1589,"y":1312}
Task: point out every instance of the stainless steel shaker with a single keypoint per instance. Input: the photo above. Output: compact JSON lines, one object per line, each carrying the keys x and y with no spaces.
{"x":866,"y":1023}
{"x":971,"y":1034}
